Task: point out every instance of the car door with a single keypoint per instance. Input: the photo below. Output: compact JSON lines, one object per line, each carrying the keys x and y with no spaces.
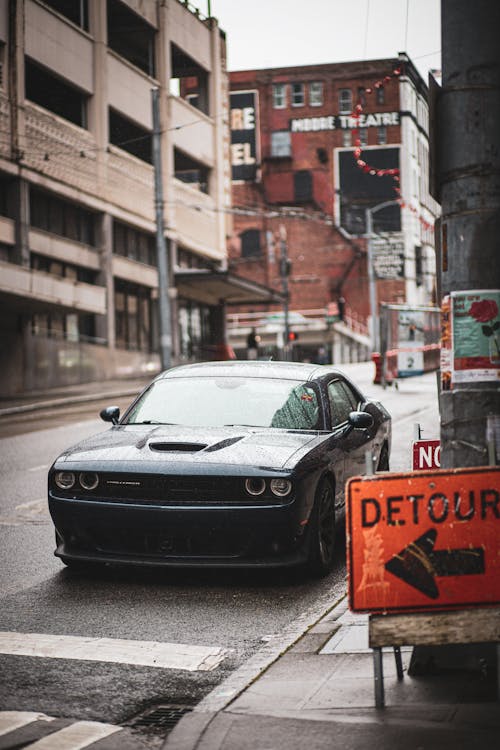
{"x":343,"y":399}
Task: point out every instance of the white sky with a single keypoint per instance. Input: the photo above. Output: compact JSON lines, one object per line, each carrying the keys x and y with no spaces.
{"x":282,"y":33}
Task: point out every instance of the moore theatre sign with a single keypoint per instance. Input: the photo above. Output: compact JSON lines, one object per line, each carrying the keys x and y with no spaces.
{"x":343,"y":122}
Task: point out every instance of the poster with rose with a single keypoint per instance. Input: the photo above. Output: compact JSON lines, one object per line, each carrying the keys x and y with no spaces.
{"x":476,"y":335}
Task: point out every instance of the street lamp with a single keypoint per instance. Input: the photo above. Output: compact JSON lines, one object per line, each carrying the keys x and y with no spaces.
{"x":371,"y":270}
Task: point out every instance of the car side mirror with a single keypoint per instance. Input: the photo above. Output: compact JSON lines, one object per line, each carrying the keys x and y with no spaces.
{"x":360,"y":420}
{"x":110,"y":414}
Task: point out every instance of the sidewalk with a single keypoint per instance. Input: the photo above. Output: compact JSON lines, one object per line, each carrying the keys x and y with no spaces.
{"x":319,"y":695}
{"x":51,"y":397}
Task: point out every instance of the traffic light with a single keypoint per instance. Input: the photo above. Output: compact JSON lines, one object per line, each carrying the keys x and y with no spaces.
{"x":293,"y":336}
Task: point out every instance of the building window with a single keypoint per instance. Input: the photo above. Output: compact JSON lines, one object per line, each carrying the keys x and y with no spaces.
{"x":250,"y":243}
{"x":52,"y":214}
{"x":345,"y":101}
{"x":380,"y":94}
{"x":2,"y":65}
{"x":131,"y":37}
{"x":187,"y":259}
{"x":363,"y":136}
{"x":302,"y":185}
{"x":316,"y":93}
{"x":419,"y":265}
{"x":279,"y":95}
{"x":281,"y":143}
{"x":129,"y":136}
{"x":189,"y":80}
{"x":76,"y":10}
{"x":382,"y":134}
{"x":62,"y":270}
{"x":347,"y":137}
{"x":51,"y":92}
{"x":298,"y":95}
{"x":131,"y":243}
{"x":133,"y":316}
{"x":70,"y":326}
{"x":362,"y":96}
{"x":193,"y":172}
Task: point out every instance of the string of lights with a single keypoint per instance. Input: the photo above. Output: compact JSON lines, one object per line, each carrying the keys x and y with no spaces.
{"x":375,"y":171}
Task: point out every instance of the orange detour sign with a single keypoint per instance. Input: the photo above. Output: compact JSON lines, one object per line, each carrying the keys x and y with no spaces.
{"x":424,"y":540}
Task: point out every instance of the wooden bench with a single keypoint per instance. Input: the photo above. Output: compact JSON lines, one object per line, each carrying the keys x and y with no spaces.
{"x":429,"y":629}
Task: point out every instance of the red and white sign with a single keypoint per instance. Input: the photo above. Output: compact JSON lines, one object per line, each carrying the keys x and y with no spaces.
{"x":424,"y":540}
{"x":426,"y":454}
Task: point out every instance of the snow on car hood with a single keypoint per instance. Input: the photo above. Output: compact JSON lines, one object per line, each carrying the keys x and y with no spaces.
{"x":173,"y":444}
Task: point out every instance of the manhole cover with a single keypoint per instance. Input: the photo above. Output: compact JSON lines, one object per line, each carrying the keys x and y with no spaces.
{"x":160,"y":718}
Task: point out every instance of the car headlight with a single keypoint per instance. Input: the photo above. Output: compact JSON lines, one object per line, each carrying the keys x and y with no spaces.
{"x":65,"y":480}
{"x":255,"y":486}
{"x":88,"y":480}
{"x":281,"y":487}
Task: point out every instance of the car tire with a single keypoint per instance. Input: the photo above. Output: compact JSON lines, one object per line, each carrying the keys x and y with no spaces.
{"x":322,"y":530}
{"x":383,"y":461}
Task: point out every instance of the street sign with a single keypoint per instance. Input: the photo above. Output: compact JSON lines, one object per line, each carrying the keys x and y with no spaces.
{"x":424,"y":541}
{"x":410,"y":362}
{"x":426,"y":454}
{"x":388,"y":258}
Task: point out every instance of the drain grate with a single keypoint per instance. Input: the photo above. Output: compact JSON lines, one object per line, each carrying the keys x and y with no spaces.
{"x":161,"y":718}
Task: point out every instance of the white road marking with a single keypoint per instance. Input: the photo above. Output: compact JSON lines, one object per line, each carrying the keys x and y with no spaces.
{"x":12,"y":720}
{"x":33,"y":512}
{"x":75,"y":737}
{"x":119,"y":651}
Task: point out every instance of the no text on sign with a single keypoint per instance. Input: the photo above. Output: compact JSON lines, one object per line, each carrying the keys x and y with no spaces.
{"x":423,"y":541}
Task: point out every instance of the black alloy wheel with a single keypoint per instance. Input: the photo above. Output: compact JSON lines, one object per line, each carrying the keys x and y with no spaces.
{"x":322,"y":530}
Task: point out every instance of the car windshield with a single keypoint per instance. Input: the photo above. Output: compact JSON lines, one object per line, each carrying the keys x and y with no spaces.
{"x":218,"y":401}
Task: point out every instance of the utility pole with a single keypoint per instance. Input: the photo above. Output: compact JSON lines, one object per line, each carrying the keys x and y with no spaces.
{"x":161,"y":249}
{"x":372,"y":284}
{"x":468,"y":186}
{"x":284,"y":272}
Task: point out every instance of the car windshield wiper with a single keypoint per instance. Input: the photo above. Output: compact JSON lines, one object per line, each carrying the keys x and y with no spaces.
{"x":151,"y":421}
{"x":242,"y":424}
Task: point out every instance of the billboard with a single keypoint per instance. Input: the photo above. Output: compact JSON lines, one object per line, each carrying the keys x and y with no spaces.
{"x":244,"y":135}
{"x":359,"y":190}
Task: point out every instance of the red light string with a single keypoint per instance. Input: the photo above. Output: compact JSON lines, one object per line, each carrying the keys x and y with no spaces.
{"x":375,"y":171}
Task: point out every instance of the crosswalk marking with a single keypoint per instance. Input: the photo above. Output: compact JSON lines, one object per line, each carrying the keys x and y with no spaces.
{"x":12,"y":720}
{"x":145,"y":653}
{"x":75,"y":737}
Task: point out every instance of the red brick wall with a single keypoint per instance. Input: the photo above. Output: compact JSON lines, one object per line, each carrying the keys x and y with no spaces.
{"x":324,"y":263}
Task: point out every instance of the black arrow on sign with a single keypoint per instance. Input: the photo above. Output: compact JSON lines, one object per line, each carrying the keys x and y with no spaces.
{"x":418,"y":564}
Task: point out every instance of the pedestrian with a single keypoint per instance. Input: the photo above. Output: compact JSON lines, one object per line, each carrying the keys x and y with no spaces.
{"x":253,"y":340}
{"x":341,"y":307}
{"x":322,"y":356}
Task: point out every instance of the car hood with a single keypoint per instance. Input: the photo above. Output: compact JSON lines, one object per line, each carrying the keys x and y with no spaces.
{"x":173,"y":444}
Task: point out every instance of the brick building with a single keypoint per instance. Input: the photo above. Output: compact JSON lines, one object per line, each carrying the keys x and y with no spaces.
{"x":296,"y":175}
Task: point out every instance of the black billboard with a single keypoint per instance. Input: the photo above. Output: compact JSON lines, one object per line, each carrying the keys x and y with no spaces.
{"x":359,"y":190}
{"x":244,"y":135}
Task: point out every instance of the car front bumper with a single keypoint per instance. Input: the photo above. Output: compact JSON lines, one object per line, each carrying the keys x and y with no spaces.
{"x":127,"y":534}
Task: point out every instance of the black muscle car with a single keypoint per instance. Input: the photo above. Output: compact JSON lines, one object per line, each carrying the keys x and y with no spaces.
{"x":223,"y":464}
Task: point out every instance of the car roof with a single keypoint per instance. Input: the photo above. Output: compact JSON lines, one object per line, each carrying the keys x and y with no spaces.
{"x":256,"y":369}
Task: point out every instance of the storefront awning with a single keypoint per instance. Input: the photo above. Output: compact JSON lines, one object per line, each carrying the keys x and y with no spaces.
{"x":214,"y":287}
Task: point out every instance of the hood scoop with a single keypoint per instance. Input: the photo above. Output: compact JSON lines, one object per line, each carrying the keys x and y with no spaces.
{"x":177,"y":447}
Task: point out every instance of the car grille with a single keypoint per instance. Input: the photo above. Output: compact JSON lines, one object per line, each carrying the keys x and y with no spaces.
{"x":178,"y":490}
{"x":166,"y":543}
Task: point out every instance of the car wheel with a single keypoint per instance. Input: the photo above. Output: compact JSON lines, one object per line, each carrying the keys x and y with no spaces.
{"x":383,"y":461}
{"x":322,"y":530}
